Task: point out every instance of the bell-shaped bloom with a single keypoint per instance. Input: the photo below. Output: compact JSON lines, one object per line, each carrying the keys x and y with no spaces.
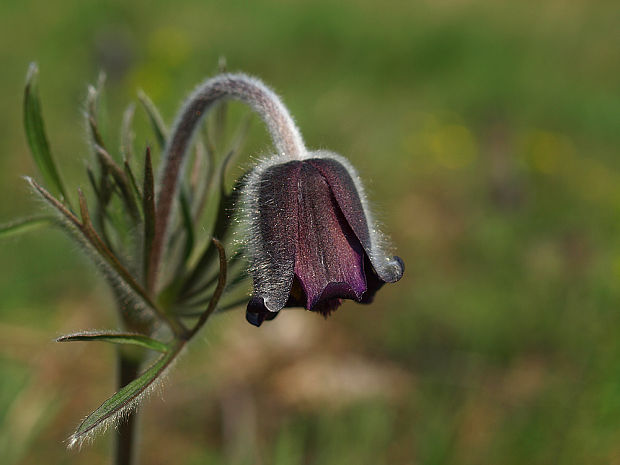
{"x":311,"y":239}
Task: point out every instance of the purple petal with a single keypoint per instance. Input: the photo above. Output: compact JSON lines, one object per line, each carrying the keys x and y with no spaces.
{"x":275,"y":233}
{"x":329,"y":260}
{"x":348,"y":197}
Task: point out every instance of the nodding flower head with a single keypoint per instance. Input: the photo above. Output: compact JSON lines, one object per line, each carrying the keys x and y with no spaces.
{"x":309,"y":235}
{"x":311,"y":239}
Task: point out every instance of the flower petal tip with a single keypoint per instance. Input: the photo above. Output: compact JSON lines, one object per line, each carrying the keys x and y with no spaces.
{"x":257,"y":312}
{"x":398,"y":268}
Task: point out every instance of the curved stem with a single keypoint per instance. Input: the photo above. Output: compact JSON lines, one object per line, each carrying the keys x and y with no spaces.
{"x":285,"y":135}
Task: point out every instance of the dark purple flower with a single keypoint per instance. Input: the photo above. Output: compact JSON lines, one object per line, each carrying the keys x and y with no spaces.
{"x":311,"y":239}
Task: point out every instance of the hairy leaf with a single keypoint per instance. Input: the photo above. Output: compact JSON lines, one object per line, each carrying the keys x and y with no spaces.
{"x":92,"y":100}
{"x":220,"y":230}
{"x":132,"y":180}
{"x":37,"y":139}
{"x":159,"y":128}
{"x":188,"y":224}
{"x":117,"y":338}
{"x":24,"y":225}
{"x":127,"y":134}
{"x":219,"y":290}
{"x":224,"y":307}
{"x":180,"y":247}
{"x":126,"y":399}
{"x":200,"y":177}
{"x":148,"y":207}
{"x":202,"y":296}
{"x":118,"y":276}
{"x":122,"y":181}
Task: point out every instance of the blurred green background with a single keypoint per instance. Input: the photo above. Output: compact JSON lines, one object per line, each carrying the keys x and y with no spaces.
{"x":488,"y":135}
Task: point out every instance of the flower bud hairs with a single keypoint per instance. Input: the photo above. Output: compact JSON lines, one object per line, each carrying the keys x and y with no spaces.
{"x":308,"y":232}
{"x":302,"y":217}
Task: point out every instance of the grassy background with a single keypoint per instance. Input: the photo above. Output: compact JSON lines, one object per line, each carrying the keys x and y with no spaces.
{"x":488,"y":134}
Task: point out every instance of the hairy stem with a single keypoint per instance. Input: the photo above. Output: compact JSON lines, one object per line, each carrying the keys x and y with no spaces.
{"x":285,"y":135}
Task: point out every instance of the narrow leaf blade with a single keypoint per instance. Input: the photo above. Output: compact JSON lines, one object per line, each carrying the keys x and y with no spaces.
{"x":35,"y":134}
{"x":124,"y":400}
{"x":118,"y":276}
{"x":159,"y":127}
{"x":24,"y":225}
{"x":92,"y":99}
{"x":220,"y":228}
{"x":148,"y":208}
{"x":188,"y":225}
{"x":122,"y":181}
{"x":132,"y":180}
{"x":117,"y":338}
{"x":127,"y":134}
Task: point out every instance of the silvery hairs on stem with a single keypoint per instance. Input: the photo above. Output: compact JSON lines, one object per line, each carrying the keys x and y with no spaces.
{"x":271,"y":276}
{"x":286,"y":137}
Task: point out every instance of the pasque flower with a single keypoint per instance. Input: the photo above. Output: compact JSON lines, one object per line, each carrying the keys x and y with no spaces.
{"x":311,"y":240}
{"x":309,"y":235}
{"x":308,"y":232}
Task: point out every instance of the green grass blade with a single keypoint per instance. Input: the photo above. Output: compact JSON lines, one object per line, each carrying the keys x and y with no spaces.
{"x":37,"y":139}
{"x":117,"y":338}
{"x":124,"y":400}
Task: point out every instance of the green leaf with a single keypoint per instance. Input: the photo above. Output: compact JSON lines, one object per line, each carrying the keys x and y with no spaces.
{"x":161,"y":133}
{"x":188,"y":224}
{"x":121,"y":179}
{"x":220,"y":228}
{"x":241,"y":136}
{"x":92,"y":100}
{"x":127,"y":134}
{"x":196,"y":299}
{"x":37,"y":139}
{"x":124,"y":400}
{"x":200,"y":177}
{"x":234,"y":304}
{"x":117,"y":275}
{"x":219,"y":290}
{"x":24,"y":225}
{"x":132,"y":180}
{"x":190,"y":313}
{"x":148,"y":208}
{"x":181,"y":245}
{"x":117,"y":338}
